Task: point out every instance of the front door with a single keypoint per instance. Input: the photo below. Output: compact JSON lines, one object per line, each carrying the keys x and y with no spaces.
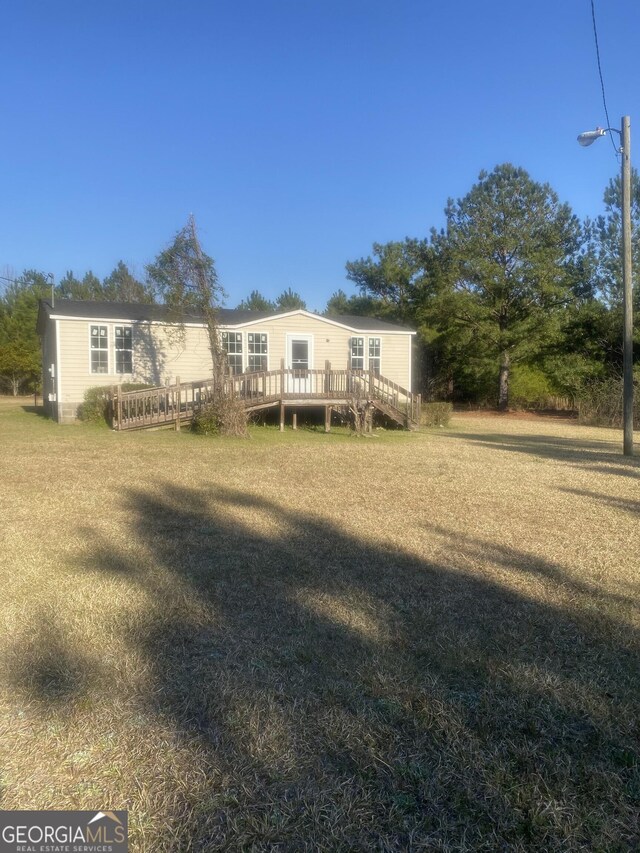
{"x":299,"y":358}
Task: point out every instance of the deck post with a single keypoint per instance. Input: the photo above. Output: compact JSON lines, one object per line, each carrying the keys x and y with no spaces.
{"x":327,"y":378}
{"x":294,"y":420}
{"x":119,"y":408}
{"x":282,"y":395}
{"x":112,"y":403}
{"x":327,"y":418}
{"x":179,"y":403}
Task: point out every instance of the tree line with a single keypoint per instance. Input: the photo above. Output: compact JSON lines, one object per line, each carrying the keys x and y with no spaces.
{"x":514,"y":297}
{"x":20,"y":356}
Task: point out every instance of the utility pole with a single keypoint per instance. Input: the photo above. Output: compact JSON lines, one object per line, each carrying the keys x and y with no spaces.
{"x":627,"y":353}
{"x":585,"y":139}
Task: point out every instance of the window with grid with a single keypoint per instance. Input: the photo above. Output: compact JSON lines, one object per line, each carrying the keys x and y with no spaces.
{"x":124,"y":349}
{"x":258,"y":351}
{"x":99,"y":349}
{"x":357,"y":353}
{"x":232,"y":345}
{"x":374,"y":355}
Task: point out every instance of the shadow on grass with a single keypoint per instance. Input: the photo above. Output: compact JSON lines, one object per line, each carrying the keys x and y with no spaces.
{"x":40,"y":411}
{"x":626,"y":504}
{"x":44,"y":667}
{"x":481,"y":552}
{"x":359,"y":698}
{"x":562,"y":449}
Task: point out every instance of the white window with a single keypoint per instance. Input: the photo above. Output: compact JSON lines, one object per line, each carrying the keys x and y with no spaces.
{"x":232,"y":345}
{"x":357,"y":353}
{"x":99,"y":349}
{"x":124,"y":349}
{"x":374,"y":355}
{"x":258,"y":350}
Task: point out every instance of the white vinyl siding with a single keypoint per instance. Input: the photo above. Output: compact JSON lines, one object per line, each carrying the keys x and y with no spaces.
{"x":161,"y":353}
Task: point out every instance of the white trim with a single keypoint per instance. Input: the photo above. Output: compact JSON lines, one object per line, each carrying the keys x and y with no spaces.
{"x":131,"y":322}
{"x":246,"y":366}
{"x":58,"y":364}
{"x":299,"y":336}
{"x":242,"y":349}
{"x":299,"y":384}
{"x":364,"y":351}
{"x":98,"y":324}
{"x":115,"y":360}
{"x":410,"y":360}
{"x":329,"y":320}
{"x":379,"y":337}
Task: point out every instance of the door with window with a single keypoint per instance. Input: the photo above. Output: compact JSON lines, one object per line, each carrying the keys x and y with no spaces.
{"x":299,"y":360}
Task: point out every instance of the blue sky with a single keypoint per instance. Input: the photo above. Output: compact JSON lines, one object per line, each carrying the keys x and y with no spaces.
{"x":298,"y":132}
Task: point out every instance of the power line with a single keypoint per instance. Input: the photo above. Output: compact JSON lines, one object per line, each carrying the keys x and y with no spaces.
{"x":604,"y":97}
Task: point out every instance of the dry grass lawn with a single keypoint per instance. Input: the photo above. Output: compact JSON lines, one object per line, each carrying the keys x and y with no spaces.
{"x":306,"y":642}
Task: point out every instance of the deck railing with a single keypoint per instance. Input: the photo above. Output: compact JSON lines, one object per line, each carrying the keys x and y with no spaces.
{"x":172,"y":403}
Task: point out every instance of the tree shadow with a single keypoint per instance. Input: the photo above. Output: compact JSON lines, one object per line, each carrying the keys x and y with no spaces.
{"x":43,"y":666}
{"x":527,"y":564}
{"x":627,"y":504}
{"x":632,"y":469}
{"x":149,"y":356}
{"x":359,"y":697}
{"x":570,"y":450}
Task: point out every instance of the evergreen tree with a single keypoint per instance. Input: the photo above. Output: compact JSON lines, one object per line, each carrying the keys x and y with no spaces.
{"x":360,"y":305}
{"x":121,"y":286}
{"x":256,"y":302}
{"x":70,"y":287}
{"x":20,"y":355}
{"x":513,"y":250}
{"x":607,"y":238}
{"x":289,"y":300}
{"x":392,"y":277}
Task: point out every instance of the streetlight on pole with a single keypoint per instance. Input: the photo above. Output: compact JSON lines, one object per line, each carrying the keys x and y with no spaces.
{"x":588,"y":138}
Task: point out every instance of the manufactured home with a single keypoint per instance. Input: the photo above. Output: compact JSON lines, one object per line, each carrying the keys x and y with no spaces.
{"x":86,"y":344}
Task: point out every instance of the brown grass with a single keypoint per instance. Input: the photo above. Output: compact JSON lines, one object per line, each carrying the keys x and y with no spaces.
{"x":300,"y":642}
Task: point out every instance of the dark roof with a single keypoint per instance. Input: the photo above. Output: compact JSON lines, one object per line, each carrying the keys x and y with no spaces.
{"x":367,"y":324}
{"x":138,"y":311}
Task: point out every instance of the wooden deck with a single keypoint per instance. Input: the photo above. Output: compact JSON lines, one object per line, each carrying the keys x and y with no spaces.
{"x":175,"y":404}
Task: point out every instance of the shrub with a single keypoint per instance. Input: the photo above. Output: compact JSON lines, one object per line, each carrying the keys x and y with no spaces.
{"x":95,"y":408}
{"x":600,"y":403}
{"x":224,"y":416}
{"x":134,"y":386}
{"x":528,"y":387}
{"x":435,"y":414}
